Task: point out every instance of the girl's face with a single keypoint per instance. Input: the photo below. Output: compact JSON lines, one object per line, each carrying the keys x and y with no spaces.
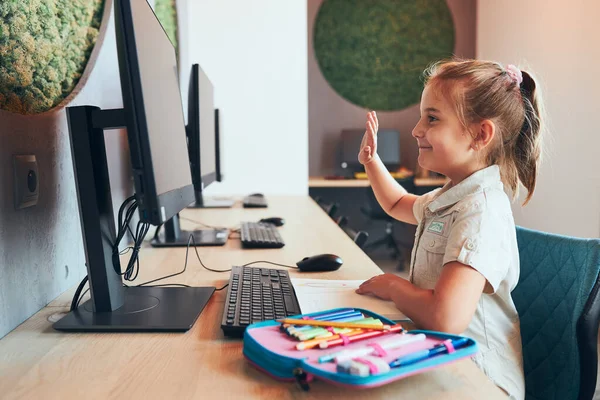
{"x":444,"y":143}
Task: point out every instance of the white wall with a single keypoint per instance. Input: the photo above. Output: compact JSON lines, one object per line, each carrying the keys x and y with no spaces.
{"x":254,"y":53}
{"x":557,"y":40}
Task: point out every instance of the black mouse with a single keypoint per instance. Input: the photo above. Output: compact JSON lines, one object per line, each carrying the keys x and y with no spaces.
{"x":320,"y":263}
{"x":273,"y":220}
{"x":256,"y":195}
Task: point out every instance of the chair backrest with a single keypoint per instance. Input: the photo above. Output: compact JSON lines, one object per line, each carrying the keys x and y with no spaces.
{"x":330,"y":208}
{"x":359,"y":237}
{"x":372,"y":208}
{"x":559,"y":308}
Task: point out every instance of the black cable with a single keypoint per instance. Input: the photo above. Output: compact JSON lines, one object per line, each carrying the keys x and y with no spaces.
{"x":209,"y":226}
{"x":269,"y":262}
{"x":81,"y":298}
{"x":198,"y":256}
{"x":221,"y":288}
{"x":157,"y":231}
{"x":168,"y":284}
{"x":75,"y":300}
{"x":128,"y":207}
{"x":187,"y":250}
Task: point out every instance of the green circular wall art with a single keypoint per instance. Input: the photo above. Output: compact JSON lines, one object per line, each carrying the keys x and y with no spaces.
{"x":44,"y":48}
{"x":373,"y":52}
{"x":166,"y":12}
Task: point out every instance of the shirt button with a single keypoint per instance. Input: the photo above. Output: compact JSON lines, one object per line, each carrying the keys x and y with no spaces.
{"x":470,"y":245}
{"x":432,"y":243}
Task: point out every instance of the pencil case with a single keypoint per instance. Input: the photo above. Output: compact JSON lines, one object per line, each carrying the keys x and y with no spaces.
{"x":270,"y":350}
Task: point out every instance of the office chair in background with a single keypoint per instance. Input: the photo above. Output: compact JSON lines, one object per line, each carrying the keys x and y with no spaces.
{"x":330,"y":208}
{"x":558,"y":302}
{"x":359,"y":237}
{"x":375,"y":213}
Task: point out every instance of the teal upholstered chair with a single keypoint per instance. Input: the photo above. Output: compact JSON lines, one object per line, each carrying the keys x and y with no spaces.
{"x":559,"y":307}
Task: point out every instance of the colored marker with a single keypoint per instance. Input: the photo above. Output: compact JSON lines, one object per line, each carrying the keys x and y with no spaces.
{"x":389,"y":344}
{"x":341,"y":318}
{"x":361,"y":336}
{"x":333,"y":316}
{"x":308,"y":335}
{"x":309,"y":344}
{"x":429,"y":353}
{"x":334,"y":324}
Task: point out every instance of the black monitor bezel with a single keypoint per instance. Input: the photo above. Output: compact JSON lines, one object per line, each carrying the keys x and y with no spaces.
{"x":154,"y":208}
{"x":200,"y":180}
{"x":218,"y":145}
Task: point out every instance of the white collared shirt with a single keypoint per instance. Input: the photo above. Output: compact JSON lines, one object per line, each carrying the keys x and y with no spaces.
{"x":472,"y":223}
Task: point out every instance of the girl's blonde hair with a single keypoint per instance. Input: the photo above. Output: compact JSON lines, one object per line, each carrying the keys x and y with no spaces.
{"x":487,"y":91}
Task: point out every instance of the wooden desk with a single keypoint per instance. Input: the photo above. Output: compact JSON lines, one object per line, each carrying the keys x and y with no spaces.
{"x":320,"y":182}
{"x":38,"y":362}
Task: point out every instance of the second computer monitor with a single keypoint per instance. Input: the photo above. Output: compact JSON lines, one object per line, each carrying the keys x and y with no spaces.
{"x":202,"y":132}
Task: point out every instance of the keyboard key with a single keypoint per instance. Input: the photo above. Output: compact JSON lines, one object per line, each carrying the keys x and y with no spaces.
{"x":266,"y":294}
{"x":259,"y":235}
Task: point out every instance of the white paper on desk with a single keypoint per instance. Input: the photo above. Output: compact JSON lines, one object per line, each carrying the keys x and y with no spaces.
{"x":320,"y":294}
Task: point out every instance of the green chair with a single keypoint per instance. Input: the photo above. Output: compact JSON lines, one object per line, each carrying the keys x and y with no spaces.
{"x":559,"y":308}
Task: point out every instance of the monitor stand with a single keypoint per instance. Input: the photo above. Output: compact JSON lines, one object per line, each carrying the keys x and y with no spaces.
{"x":174,"y":236}
{"x":114,"y":307}
{"x":211,"y":202}
{"x":146,"y":309}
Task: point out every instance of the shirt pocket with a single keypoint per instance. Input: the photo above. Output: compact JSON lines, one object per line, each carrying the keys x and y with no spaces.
{"x":428,"y":266}
{"x":433,"y":243}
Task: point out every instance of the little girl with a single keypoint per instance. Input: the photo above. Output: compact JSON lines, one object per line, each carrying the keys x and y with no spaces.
{"x":480,"y":127}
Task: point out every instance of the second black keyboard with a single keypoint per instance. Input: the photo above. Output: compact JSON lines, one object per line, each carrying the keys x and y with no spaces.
{"x":257,"y":294}
{"x":255,"y":202}
{"x":259,"y":235}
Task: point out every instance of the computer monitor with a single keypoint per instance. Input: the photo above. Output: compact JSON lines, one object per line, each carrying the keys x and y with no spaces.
{"x":202,"y":149}
{"x":203,"y":145}
{"x":388,"y":149}
{"x":219,"y":145}
{"x":153,"y":116}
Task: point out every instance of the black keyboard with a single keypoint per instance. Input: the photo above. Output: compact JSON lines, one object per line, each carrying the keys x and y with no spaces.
{"x":258,"y":235}
{"x":257,"y":294}
{"x":255,"y":202}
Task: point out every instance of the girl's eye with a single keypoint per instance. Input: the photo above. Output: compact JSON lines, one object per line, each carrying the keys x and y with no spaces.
{"x":431,"y":118}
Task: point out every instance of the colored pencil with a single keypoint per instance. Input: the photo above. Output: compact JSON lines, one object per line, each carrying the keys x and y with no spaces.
{"x":334,"y":324}
{"x":331,"y":315}
{"x":341,"y":318}
{"x":309,"y":344}
{"x":312,"y":329}
{"x":336,"y":342}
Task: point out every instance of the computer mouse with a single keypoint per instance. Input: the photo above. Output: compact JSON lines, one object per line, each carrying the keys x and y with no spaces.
{"x":320,"y":263}
{"x":273,"y":220}
{"x":256,"y":195}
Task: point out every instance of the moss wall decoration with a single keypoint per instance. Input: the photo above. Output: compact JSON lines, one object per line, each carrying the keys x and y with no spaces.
{"x":373,"y":52}
{"x":44,"y":48}
{"x":166,"y":13}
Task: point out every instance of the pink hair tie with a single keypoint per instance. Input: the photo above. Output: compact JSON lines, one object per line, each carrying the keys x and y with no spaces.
{"x":379,"y":351}
{"x":345,"y":340}
{"x":449,"y":346}
{"x":306,"y":317}
{"x":514,"y":73}
{"x":372,"y":367}
{"x":330,"y":329}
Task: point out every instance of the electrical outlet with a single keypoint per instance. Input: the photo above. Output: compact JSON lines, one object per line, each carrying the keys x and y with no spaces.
{"x":26,"y":181}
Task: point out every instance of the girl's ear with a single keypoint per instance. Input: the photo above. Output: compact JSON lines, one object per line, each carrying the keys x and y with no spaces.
{"x":486,"y":130}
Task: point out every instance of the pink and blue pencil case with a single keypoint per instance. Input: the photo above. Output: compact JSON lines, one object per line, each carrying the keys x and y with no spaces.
{"x":270,"y":350}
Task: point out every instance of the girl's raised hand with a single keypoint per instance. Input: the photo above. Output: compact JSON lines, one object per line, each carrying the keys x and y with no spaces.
{"x":368,"y":147}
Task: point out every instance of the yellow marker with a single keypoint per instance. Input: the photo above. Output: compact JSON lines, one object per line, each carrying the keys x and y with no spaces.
{"x":334,"y":324}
